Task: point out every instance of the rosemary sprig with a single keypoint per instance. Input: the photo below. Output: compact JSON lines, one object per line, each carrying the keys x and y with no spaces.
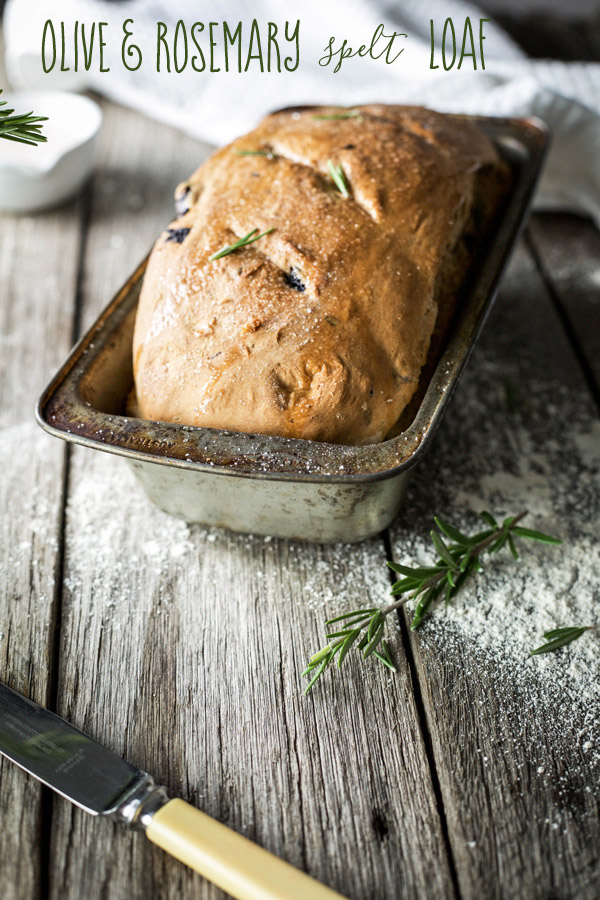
{"x":559,"y":637}
{"x":337,"y":176}
{"x":457,"y":560}
{"x":369,"y":621}
{"x":242,"y":242}
{"x":347,"y":114}
{"x":267,"y":153}
{"x":25,"y":128}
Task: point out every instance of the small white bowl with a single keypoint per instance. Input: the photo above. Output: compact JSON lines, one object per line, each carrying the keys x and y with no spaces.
{"x":35,"y":178}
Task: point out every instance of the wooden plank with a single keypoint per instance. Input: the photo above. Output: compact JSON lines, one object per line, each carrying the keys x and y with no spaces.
{"x":515,"y":740}
{"x":39,"y":261}
{"x":182,"y":648}
{"x":567,"y":249}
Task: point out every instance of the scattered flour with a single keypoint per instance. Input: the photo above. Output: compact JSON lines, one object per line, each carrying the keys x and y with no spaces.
{"x":113,"y":531}
{"x":543,"y":457}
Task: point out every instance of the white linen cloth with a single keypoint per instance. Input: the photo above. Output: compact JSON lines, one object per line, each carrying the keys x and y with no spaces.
{"x":217,"y":107}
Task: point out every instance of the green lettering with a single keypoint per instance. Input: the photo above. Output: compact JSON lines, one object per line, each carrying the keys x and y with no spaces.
{"x":463,"y":52}
{"x":129,"y":49}
{"x":481,"y":40}
{"x":213,"y":44}
{"x":446,"y":23}
{"x":200,"y":27}
{"x":391,"y":44}
{"x":431,"y":65}
{"x":87,"y":51}
{"x":63,"y":68}
{"x":295,"y":36}
{"x":229,"y":38}
{"x":101,"y":27}
{"x":325,"y":60}
{"x":254,"y":36}
{"x":161,"y":32}
{"x":48,"y":26}
{"x":179,"y":30}
{"x":76,"y":46}
{"x":272,"y":40}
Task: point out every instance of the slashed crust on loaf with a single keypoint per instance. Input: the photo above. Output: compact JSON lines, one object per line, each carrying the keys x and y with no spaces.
{"x":320,"y":329}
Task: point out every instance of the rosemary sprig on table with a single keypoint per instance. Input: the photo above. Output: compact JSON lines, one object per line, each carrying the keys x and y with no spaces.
{"x":346,"y":114}
{"x":337,"y":176}
{"x":458,"y":559}
{"x":559,"y":637}
{"x":25,"y":128}
{"x":242,"y":242}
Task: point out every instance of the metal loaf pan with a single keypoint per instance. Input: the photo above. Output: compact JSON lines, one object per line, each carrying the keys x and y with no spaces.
{"x":270,"y":485}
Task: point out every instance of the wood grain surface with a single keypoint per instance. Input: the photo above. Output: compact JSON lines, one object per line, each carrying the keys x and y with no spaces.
{"x":567,"y":253}
{"x":36,"y":321}
{"x":515,"y":779}
{"x":182,"y":648}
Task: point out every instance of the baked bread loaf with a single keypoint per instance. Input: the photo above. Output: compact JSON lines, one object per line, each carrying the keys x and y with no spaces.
{"x":319,"y":329}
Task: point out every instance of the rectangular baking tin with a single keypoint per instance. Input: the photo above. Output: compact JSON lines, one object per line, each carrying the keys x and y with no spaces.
{"x":270,"y":485}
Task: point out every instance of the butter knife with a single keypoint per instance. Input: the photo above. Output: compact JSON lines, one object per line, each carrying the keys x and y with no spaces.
{"x":101,"y":783}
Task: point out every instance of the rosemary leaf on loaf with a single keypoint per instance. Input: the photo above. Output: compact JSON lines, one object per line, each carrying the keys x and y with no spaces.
{"x":346,"y":114}
{"x":458,"y":558}
{"x":267,"y":153}
{"x":242,"y":242}
{"x":337,"y":176}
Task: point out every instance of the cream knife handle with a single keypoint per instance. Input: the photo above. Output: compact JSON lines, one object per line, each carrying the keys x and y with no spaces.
{"x":232,"y":862}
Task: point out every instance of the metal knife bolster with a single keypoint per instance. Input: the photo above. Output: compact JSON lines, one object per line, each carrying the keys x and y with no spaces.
{"x":139,"y":805}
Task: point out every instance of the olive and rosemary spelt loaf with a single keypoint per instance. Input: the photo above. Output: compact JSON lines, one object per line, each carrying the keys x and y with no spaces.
{"x":320,"y":328}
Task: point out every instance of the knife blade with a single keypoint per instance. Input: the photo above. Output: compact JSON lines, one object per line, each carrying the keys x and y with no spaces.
{"x":64,"y":758}
{"x":98,"y":781}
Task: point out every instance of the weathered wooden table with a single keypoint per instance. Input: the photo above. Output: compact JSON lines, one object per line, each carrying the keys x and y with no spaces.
{"x":181,"y":648}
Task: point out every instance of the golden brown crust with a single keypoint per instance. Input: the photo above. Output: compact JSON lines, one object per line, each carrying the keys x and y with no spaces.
{"x":235,"y":344}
